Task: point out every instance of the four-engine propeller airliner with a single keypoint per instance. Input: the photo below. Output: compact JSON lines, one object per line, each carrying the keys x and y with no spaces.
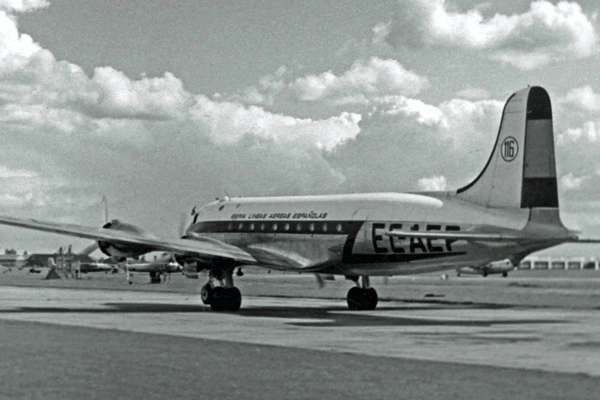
{"x":508,"y":211}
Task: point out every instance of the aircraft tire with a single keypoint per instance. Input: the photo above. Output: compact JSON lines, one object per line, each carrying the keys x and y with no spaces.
{"x":234,"y":299}
{"x":219,"y":299}
{"x":206,"y":293}
{"x":371,"y":299}
{"x":354,"y":298}
{"x":504,"y":274}
{"x":362,"y":299}
{"x":484,"y":274}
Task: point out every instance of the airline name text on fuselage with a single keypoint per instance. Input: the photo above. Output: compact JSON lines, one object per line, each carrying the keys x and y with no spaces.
{"x":302,"y":215}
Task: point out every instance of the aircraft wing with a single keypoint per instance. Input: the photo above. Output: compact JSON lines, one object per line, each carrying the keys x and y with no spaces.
{"x":213,"y":248}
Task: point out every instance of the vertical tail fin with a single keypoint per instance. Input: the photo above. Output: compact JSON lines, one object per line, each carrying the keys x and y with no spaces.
{"x":521,"y":172}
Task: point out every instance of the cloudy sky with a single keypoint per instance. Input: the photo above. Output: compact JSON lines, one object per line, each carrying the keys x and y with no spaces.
{"x":161,"y":107}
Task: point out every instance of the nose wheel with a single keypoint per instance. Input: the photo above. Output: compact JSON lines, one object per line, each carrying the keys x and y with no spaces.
{"x":362,"y":296}
{"x":360,"y":299}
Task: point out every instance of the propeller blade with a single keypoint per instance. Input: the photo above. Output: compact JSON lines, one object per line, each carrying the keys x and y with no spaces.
{"x":320,"y":281}
{"x":105,"y":205}
{"x":321,"y":278}
{"x":182,"y":223}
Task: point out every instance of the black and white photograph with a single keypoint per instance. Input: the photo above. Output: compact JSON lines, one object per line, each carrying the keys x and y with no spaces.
{"x":285,"y":199}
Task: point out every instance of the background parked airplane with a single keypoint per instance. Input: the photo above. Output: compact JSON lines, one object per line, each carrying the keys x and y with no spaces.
{"x":159,"y":269}
{"x":496,"y":267}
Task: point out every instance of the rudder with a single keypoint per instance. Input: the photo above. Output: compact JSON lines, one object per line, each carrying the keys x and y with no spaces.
{"x":521,"y":171}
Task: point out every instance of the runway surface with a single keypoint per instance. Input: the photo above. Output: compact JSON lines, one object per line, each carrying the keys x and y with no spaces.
{"x":289,"y":348}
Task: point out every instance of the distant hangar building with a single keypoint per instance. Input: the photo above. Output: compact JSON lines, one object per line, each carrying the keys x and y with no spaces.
{"x":559,"y":263}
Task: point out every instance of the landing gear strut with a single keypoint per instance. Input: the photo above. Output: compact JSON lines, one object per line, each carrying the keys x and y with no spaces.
{"x":154,"y":277}
{"x":221,"y":298}
{"x":362,"y":297}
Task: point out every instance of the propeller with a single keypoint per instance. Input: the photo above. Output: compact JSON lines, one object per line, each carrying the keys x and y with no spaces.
{"x":94,"y":246}
{"x":321,"y":278}
{"x":182,"y":224}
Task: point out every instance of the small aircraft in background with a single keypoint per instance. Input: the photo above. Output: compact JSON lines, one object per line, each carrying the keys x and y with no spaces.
{"x":495,"y":267}
{"x":86,"y":267}
{"x":162,"y":266}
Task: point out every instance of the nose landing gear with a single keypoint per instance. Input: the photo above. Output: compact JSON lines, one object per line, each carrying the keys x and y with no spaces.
{"x":362,"y":297}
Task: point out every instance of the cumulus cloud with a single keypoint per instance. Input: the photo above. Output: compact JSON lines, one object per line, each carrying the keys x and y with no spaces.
{"x":582,"y":98}
{"x":433,"y":183}
{"x":589,"y":131}
{"x":457,"y":119}
{"x":23,"y":5}
{"x":544,"y":33}
{"x":377,"y":77}
{"x":229,"y":122}
{"x":22,"y":187}
{"x":572,"y":182}
{"x":472,"y":93}
{"x":362,"y":82}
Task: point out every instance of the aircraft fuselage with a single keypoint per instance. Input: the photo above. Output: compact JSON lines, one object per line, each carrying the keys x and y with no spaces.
{"x":348,"y":232}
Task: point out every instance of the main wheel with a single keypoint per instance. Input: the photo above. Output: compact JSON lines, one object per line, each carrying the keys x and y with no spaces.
{"x":505,"y":274}
{"x":234,"y":299}
{"x":484,"y":273}
{"x":219,"y":299}
{"x":206,"y":293}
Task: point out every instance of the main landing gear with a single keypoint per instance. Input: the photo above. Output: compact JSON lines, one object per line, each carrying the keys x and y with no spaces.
{"x":155,"y":277}
{"x":221,"y":298}
{"x":362,"y":296}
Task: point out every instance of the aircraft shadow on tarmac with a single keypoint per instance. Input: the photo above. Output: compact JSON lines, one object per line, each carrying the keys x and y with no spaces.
{"x":337,"y":316}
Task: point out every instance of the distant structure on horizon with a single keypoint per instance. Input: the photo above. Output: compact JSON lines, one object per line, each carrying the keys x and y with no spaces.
{"x":544,"y":263}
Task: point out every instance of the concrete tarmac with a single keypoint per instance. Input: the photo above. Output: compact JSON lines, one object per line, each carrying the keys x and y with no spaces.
{"x":465,"y":337}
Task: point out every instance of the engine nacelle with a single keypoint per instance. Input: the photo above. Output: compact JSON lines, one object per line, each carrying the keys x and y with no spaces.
{"x":120,"y":250}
